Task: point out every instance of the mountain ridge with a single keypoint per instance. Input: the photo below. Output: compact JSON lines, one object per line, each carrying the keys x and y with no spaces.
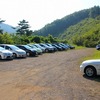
{"x":7,"y":28}
{"x":58,"y":26}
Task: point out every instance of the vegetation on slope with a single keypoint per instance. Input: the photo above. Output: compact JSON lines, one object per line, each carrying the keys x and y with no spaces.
{"x":86,"y":33}
{"x":60,"y":25}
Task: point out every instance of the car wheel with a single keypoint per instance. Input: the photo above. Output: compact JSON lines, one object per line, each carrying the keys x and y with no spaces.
{"x":90,"y":71}
{"x":46,"y":50}
{"x":14,"y":55}
{"x":28,"y":54}
{"x":0,"y":57}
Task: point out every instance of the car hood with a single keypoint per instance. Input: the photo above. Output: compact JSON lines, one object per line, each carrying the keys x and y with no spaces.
{"x":6,"y":51}
{"x":91,"y":61}
{"x":20,"y":50}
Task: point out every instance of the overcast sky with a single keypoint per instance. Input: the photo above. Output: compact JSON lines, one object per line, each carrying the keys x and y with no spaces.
{"x":40,"y":12}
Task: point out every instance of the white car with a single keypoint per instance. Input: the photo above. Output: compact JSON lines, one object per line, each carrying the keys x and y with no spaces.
{"x":17,"y":52}
{"x":90,"y":67}
{"x":5,"y":54}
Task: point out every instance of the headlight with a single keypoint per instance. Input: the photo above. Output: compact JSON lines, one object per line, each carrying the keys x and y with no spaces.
{"x":20,"y":52}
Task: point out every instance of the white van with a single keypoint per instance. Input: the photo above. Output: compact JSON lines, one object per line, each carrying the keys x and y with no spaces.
{"x":5,"y":54}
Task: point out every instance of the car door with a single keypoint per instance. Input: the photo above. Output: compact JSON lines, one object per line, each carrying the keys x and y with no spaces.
{"x":98,"y":67}
{"x":8,"y":48}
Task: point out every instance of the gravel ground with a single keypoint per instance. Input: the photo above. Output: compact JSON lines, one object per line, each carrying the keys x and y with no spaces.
{"x":51,"y":76}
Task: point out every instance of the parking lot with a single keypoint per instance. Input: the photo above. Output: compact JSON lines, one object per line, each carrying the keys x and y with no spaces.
{"x":51,"y":76}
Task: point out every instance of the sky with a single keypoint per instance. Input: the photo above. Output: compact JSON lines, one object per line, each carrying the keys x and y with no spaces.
{"x":40,"y":12}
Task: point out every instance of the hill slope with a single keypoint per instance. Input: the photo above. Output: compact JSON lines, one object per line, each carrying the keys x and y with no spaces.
{"x":81,"y":28}
{"x":60,"y":25}
{"x":7,"y":28}
{"x":86,"y":33}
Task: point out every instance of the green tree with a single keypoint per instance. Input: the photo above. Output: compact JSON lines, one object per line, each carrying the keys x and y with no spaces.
{"x":23,"y":28}
{"x":94,"y":12}
{"x":37,"y":39}
{"x":6,"y":38}
{"x":1,"y":21}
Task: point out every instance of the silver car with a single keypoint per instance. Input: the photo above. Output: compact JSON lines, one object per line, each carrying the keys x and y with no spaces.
{"x":5,"y":54}
{"x":90,"y":67}
{"x":17,"y":52}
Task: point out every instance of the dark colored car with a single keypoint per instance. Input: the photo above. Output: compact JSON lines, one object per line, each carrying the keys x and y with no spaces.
{"x":58,"y":47}
{"x":63,"y":47}
{"x":98,"y":47}
{"x":55,"y":49}
{"x":70,"y":46}
{"x":29,"y":50}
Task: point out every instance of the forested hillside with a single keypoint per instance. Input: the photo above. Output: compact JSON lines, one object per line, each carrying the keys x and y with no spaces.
{"x":60,"y":25}
{"x":86,"y":33}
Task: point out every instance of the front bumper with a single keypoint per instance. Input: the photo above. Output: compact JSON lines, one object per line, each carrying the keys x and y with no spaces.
{"x":82,"y":68}
{"x":21,"y":55}
{"x":7,"y":57}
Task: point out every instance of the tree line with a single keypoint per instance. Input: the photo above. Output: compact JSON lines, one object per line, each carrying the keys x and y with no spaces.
{"x":24,"y":35}
{"x":6,"y":38}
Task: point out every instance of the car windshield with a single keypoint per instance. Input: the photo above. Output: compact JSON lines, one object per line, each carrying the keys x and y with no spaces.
{"x":44,"y":45}
{"x":1,"y":49}
{"x":32,"y":46}
{"x":49,"y":45}
{"x":37,"y":45}
{"x":13,"y":47}
{"x":28,"y":47}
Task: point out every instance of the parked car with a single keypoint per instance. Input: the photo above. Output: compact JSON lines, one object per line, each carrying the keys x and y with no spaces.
{"x":70,"y":46}
{"x":98,"y":47}
{"x":58,"y":47}
{"x":29,"y":50}
{"x":63,"y":47}
{"x":5,"y":54}
{"x":17,"y":52}
{"x":39,"y":51}
{"x":42,"y":48}
{"x":55,"y":49}
{"x":47,"y":48}
{"x":90,"y":67}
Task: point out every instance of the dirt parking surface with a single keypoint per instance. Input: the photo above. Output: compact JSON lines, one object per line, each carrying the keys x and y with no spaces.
{"x":51,"y":76}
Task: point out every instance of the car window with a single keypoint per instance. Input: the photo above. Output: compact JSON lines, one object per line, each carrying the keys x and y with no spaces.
{"x":13,"y":47}
{"x":2,"y":46}
{"x":8,"y":48}
{"x":27,"y":47}
{"x":1,"y":49}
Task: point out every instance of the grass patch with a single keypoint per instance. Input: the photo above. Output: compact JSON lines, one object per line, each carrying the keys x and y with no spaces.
{"x":79,"y":47}
{"x":95,"y":55}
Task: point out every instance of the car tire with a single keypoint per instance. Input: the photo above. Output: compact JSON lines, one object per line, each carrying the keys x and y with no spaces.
{"x":90,"y":71}
{"x":14,"y":55}
{"x":28,"y":54}
{"x":0,"y":57}
{"x":46,"y":50}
